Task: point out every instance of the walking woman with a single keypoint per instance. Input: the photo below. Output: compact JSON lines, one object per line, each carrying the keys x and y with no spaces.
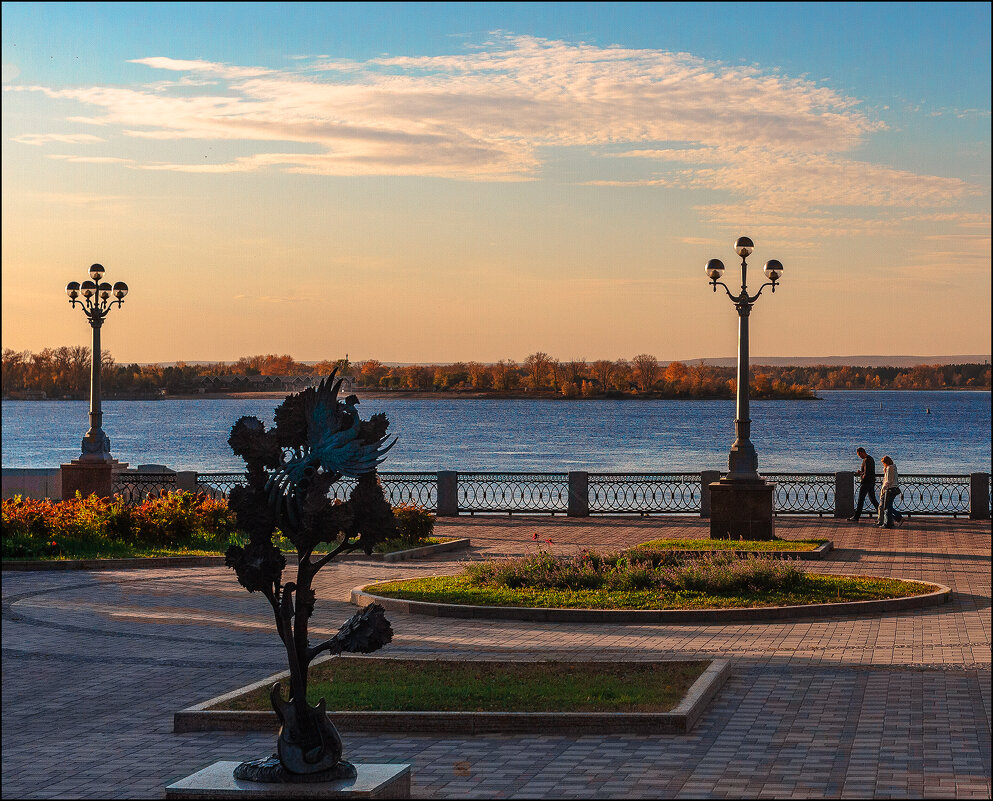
{"x":888,"y":494}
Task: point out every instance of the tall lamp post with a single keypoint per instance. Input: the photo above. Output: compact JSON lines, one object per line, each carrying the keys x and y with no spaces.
{"x":91,"y":471}
{"x":741,"y":503}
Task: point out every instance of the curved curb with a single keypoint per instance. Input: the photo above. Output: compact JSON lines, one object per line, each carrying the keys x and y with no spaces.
{"x":411,"y":553}
{"x":149,"y":562}
{"x":132,"y":563}
{"x":939,"y":596}
{"x":679,"y":720}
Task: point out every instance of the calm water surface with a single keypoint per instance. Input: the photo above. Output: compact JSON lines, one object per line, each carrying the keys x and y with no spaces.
{"x":547,"y":436}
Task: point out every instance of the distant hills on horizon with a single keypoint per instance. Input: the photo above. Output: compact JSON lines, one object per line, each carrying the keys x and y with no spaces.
{"x":772,"y":361}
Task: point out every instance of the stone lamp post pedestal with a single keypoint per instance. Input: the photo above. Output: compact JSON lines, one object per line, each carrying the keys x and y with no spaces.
{"x":740,"y":510}
{"x":90,"y":478}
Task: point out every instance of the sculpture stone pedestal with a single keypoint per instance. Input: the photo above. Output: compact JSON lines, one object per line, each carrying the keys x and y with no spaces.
{"x":90,"y":477}
{"x":218,"y":781}
{"x":741,"y":510}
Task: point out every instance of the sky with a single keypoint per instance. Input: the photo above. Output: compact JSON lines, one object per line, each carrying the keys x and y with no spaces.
{"x":445,"y":182}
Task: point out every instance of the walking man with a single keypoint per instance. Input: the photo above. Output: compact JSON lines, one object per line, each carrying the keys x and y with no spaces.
{"x":867,"y":484}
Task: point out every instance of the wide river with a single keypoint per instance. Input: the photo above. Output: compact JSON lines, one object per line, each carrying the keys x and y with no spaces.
{"x":547,"y":435}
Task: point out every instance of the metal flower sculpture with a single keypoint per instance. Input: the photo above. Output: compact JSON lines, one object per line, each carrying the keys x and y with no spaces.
{"x":317,"y":440}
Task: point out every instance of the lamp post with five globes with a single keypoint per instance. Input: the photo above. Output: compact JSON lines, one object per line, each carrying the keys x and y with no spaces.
{"x":96,"y":303}
{"x":738,"y":502}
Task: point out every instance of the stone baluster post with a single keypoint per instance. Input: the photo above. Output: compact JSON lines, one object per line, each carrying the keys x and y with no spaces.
{"x":979,"y":496}
{"x":448,"y":493}
{"x":707,"y":477}
{"x":844,"y":493}
{"x":579,"y":494}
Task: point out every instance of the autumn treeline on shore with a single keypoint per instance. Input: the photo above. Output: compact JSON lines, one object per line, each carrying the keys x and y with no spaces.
{"x":64,"y":372}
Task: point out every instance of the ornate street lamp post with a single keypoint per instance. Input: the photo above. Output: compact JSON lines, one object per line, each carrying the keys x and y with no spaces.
{"x":96,"y":304}
{"x":741,"y":503}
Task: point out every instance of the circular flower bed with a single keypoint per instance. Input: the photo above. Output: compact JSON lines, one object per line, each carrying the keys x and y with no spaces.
{"x":663,"y":582}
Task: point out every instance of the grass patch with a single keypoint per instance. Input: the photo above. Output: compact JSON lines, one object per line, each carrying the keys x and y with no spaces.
{"x":707,"y":544}
{"x":459,"y":686}
{"x":812,"y":588}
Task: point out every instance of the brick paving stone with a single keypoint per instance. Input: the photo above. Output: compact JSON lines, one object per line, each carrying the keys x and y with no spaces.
{"x":897,"y":705}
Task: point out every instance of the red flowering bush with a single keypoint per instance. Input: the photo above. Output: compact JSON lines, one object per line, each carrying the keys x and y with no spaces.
{"x":107,"y":526}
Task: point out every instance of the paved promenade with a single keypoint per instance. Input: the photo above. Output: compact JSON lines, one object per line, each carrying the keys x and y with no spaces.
{"x":894,"y":705}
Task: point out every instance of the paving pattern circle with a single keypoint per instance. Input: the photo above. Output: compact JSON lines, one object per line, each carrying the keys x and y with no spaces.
{"x":898,"y":704}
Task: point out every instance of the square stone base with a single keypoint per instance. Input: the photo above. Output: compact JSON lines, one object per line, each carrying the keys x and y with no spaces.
{"x":88,"y":478}
{"x":218,"y":781}
{"x":741,"y":510}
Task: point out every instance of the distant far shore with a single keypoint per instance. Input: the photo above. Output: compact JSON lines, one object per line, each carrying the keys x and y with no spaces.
{"x":402,"y":394}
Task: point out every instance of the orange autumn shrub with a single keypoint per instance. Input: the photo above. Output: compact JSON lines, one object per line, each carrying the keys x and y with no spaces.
{"x":106,"y":526}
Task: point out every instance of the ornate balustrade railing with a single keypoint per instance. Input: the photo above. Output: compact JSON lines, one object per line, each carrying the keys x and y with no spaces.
{"x":581,"y":493}
{"x":420,"y":489}
{"x":133,"y":488}
{"x":513,"y":492}
{"x":803,"y":493}
{"x":644,"y":493}
{"x":218,"y":485}
{"x":933,"y":495}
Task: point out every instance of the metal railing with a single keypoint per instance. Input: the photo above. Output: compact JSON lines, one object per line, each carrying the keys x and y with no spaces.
{"x":932,"y":495}
{"x":513,"y":492}
{"x":644,"y":493}
{"x":218,"y":485}
{"x":802,"y":493}
{"x":133,"y":488}
{"x":420,"y":489}
{"x":582,"y":494}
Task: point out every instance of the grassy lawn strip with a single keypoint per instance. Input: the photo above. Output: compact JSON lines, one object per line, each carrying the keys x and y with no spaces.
{"x":812,"y":589}
{"x":459,"y":686}
{"x":708,"y":544}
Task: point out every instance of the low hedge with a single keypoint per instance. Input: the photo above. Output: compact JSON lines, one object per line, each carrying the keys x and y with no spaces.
{"x":171,"y":522}
{"x":163,"y":524}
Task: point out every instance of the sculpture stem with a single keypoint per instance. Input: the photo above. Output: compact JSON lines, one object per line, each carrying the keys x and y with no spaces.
{"x":298,"y":682}
{"x":303,"y":595}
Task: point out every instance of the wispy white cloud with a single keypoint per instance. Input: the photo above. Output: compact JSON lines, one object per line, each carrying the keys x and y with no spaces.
{"x":481,"y":114}
{"x":791,"y":178}
{"x":961,"y":113}
{"x":491,"y":112}
{"x":90,"y":159}
{"x":65,"y":139}
{"x":183,"y":65}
